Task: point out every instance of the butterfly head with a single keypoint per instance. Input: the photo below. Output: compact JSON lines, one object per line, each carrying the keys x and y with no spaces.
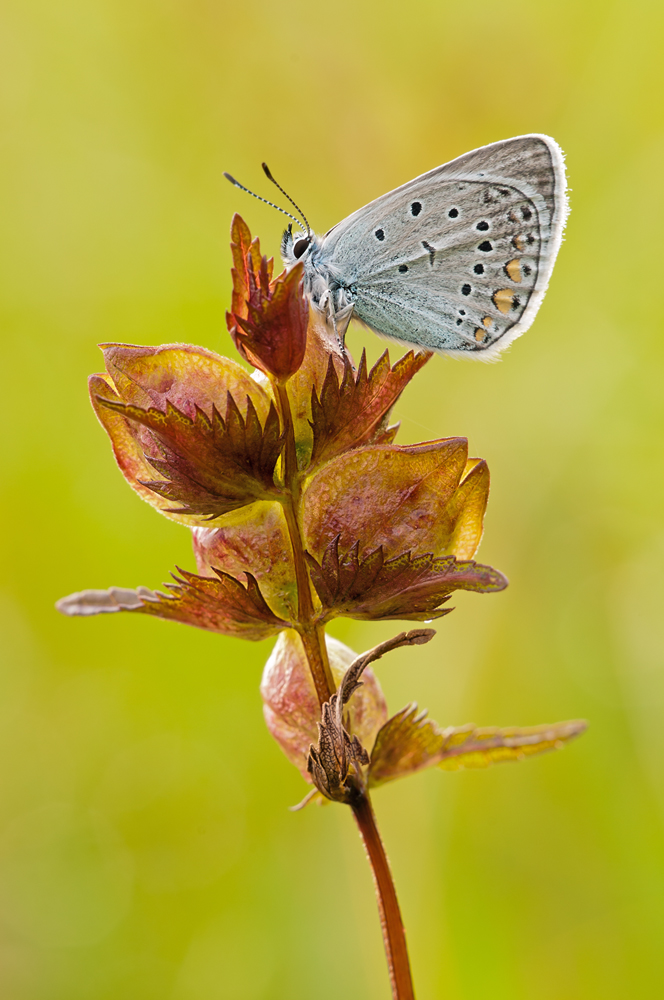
{"x":295,"y":247}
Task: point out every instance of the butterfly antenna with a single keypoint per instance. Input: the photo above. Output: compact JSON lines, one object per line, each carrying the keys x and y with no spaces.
{"x":266,"y":171}
{"x":253,"y":193}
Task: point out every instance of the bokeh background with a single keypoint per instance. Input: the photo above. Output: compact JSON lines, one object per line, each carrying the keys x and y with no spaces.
{"x":146,"y":850}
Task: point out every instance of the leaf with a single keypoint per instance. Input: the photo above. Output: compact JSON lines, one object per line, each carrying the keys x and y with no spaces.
{"x":349,"y":413}
{"x":189,"y":378}
{"x":268,"y":319}
{"x":220,"y":604}
{"x":98,"y":602}
{"x":255,"y":537}
{"x":470,"y":747}
{"x":404,"y":586}
{"x":210,"y":466}
{"x":410,"y":742}
{"x":387,"y":495}
{"x":182,"y":374}
{"x":407,"y":743}
{"x":461,"y":523}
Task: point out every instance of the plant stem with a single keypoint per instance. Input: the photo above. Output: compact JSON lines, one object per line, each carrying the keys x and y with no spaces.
{"x":313,"y":640}
{"x":394,"y":936}
{"x":313,"y":636}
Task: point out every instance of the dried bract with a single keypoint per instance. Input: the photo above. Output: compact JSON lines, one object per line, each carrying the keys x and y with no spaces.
{"x":336,"y":763}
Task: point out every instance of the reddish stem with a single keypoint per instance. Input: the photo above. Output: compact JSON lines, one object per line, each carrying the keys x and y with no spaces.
{"x":313,"y":636}
{"x":313,"y":640}
{"x":394,"y":936}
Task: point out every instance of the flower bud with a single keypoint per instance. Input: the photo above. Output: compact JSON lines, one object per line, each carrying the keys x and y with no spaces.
{"x":268,"y":319}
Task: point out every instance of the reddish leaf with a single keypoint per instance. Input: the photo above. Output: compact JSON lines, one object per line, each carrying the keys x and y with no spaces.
{"x":210,"y":466}
{"x":350,"y":413}
{"x":268,"y":319}
{"x":410,"y":742}
{"x":255,"y":538}
{"x":181,"y":374}
{"x":386,"y":495}
{"x":405,"y":587}
{"x":219,"y":604}
{"x":189,"y":378}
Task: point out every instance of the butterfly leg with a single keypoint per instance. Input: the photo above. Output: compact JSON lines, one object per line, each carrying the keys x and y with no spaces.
{"x":340,"y":318}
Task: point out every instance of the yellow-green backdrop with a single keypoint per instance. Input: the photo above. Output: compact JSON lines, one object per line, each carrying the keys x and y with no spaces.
{"x":146,"y":850}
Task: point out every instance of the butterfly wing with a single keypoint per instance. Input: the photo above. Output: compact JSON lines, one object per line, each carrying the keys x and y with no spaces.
{"x":457,"y":260}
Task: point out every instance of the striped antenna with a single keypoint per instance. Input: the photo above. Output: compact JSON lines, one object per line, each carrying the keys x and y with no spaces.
{"x":270,"y":203}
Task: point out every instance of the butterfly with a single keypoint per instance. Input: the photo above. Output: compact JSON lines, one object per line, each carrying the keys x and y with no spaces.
{"x":455,"y":261}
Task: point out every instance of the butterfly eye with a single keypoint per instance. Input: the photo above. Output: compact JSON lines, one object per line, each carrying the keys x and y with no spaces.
{"x":300,"y":247}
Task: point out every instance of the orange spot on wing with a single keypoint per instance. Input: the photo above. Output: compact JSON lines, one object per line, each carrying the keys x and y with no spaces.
{"x":487,"y":321}
{"x":479,"y":334}
{"x":518,"y":242}
{"x":513,"y":270}
{"x":502,"y":299}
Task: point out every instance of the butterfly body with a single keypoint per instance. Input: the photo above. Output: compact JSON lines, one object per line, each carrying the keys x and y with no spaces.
{"x":456,"y":260}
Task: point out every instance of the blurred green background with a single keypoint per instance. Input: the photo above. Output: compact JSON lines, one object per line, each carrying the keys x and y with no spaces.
{"x":146,"y":850}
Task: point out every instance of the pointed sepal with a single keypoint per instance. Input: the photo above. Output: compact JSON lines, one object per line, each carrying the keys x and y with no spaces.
{"x":210,"y":465}
{"x":404,"y":586}
{"x":352,"y":411}
{"x":189,"y":379}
